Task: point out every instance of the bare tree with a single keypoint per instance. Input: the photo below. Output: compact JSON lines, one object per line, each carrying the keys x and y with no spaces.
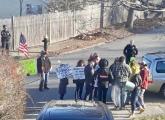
{"x":63,"y":5}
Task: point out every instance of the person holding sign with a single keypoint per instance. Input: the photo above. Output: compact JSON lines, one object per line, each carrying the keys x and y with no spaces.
{"x":63,"y":72}
{"x":79,"y":79}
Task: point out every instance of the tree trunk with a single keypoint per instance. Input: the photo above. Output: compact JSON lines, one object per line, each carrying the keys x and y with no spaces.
{"x":129,"y":23}
{"x":102,"y":15}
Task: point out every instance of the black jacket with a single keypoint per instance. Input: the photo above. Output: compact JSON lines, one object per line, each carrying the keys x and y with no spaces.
{"x":130,"y":50}
{"x":137,"y":80}
{"x":89,"y":74}
{"x":104,"y":77}
{"x":5,"y":36}
{"x":39,"y":65}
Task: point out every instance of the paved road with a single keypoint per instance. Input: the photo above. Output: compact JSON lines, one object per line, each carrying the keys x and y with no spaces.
{"x":148,"y":42}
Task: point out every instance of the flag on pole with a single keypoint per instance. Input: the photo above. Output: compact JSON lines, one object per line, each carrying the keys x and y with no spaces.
{"x":23,"y":45}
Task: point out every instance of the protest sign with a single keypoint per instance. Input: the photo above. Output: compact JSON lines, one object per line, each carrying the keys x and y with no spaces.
{"x":29,"y":66}
{"x":78,"y":73}
{"x":63,"y":71}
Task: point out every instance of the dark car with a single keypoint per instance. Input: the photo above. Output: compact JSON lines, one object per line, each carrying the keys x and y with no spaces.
{"x":72,"y":110}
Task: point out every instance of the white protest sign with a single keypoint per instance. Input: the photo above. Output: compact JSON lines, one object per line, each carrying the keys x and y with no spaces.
{"x":63,"y":71}
{"x":78,"y":73}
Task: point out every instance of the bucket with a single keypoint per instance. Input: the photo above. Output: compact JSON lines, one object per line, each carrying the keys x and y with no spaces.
{"x":129,"y":86}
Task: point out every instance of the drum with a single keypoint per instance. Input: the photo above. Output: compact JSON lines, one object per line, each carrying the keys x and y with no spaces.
{"x":129,"y":86}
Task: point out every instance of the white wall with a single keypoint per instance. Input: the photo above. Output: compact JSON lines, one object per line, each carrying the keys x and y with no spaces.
{"x":10,"y":8}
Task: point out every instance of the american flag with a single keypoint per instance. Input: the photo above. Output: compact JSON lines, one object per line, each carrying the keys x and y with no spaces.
{"x":23,"y":45}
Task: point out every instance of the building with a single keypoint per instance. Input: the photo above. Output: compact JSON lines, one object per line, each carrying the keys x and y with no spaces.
{"x":9,"y":8}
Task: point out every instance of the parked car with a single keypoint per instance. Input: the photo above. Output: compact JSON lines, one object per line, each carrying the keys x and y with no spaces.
{"x":156,"y":64}
{"x":72,"y":110}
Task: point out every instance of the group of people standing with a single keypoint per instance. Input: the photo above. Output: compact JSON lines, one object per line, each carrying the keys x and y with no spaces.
{"x":99,"y":76}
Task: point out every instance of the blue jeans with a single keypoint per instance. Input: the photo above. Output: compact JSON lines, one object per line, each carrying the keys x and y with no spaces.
{"x":102,"y":93}
{"x":135,"y":99}
{"x":123,"y":95}
{"x":89,"y":92}
{"x":44,"y":80}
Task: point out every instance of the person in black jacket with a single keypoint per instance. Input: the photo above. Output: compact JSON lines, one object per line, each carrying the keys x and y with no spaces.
{"x":43,"y":68}
{"x":5,"y":40}
{"x":130,"y":51}
{"x":89,"y":79}
{"x":104,"y":78}
{"x":45,"y":41}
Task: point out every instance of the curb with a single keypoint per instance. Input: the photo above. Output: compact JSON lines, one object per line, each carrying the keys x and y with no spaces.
{"x":84,"y":48}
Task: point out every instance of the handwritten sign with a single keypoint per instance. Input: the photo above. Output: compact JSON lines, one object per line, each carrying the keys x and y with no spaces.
{"x":29,"y":66}
{"x":63,"y":71}
{"x":78,"y":73}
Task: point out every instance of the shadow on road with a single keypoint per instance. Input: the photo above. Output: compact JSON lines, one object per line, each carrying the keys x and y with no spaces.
{"x":153,"y":98}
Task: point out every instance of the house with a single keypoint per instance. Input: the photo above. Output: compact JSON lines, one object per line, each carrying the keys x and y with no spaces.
{"x":9,"y":8}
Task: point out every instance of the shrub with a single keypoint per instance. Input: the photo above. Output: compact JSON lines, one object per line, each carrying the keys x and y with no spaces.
{"x":12,"y":93}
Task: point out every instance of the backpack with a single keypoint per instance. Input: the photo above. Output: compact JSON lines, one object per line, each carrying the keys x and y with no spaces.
{"x":103,"y":75}
{"x":120,"y":72}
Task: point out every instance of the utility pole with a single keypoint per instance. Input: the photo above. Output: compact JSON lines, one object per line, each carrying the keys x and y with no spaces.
{"x":21,"y":6}
{"x":102,"y":14}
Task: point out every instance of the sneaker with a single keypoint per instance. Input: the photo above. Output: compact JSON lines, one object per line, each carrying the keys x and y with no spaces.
{"x":141,"y":110}
{"x":143,"y":106}
{"x":131,"y":115}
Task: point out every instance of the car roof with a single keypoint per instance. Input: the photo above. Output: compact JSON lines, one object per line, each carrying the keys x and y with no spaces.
{"x":72,"y":110}
{"x":155,"y":56}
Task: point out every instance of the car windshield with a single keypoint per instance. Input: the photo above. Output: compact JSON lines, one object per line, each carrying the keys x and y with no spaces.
{"x":160,"y":67}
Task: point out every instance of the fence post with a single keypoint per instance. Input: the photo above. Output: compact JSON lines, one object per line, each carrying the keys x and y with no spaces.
{"x":12,"y":29}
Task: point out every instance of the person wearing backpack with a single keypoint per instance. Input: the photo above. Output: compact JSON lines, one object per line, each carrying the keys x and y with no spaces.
{"x":121,"y":75}
{"x":103,"y":80}
{"x":115,"y":85}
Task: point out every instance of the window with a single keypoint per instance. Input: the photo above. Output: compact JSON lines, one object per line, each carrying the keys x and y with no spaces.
{"x":33,"y":9}
{"x":160,"y":67}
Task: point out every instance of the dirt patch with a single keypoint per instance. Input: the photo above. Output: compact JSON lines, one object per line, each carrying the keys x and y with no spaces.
{"x":84,"y":40}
